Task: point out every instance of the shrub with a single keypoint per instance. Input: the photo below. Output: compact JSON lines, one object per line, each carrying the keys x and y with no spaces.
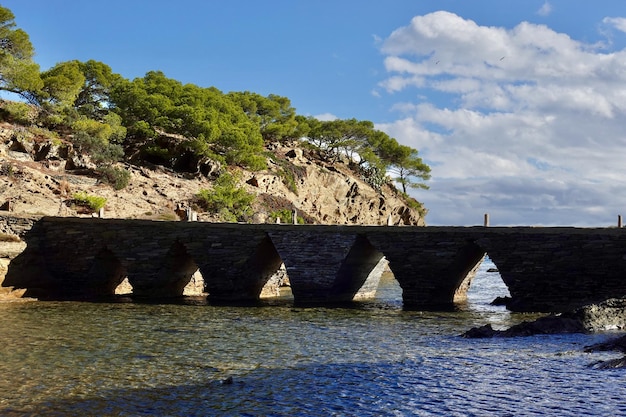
{"x":94,"y":203}
{"x":117,"y":177}
{"x":289,"y":173}
{"x":8,"y":170}
{"x":19,"y":112}
{"x":414,"y":204}
{"x":230,"y":202}
{"x":101,"y":152}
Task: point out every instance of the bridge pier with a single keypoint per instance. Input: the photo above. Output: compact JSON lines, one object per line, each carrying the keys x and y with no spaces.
{"x":235,"y":267}
{"x":325,"y":266}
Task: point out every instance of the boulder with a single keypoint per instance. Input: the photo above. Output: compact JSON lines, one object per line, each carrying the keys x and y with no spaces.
{"x":552,"y":324}
{"x":608,"y":315}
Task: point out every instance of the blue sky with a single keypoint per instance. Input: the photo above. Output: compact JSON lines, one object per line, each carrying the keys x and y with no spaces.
{"x":518,"y":106}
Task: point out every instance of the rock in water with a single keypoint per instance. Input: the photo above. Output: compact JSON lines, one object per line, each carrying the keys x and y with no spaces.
{"x":608,"y":315}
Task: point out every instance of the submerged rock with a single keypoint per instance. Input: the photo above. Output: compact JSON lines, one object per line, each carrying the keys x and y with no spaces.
{"x":544,"y":325}
{"x":618,"y":345}
{"x":618,"y":363}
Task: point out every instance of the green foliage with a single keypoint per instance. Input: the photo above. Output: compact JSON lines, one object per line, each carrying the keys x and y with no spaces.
{"x":212,"y":123}
{"x":18,"y":72}
{"x":8,"y":170}
{"x":230,"y":202}
{"x":93,"y":128}
{"x":140,"y":130}
{"x":62,"y":83}
{"x":373,"y":151}
{"x":274,"y":115}
{"x":406,"y":164}
{"x":415,"y":205}
{"x":94,"y":203}
{"x":285,"y":216}
{"x":157,"y":153}
{"x":288,"y":172}
{"x":18,"y":112}
{"x":101,"y":152}
{"x":117,"y":177}
{"x":93,"y":98}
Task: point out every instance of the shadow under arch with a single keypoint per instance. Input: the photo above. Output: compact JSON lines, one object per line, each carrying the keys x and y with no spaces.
{"x":176,"y":270}
{"x":105,"y":274}
{"x":359,"y":274}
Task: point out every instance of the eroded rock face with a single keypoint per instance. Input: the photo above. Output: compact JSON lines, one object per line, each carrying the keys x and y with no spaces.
{"x":42,"y":174}
{"x":332,"y":194}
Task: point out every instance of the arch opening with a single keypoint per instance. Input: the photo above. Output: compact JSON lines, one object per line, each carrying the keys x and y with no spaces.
{"x":124,"y":288}
{"x":243,"y":279}
{"x":278,"y":286}
{"x":463,"y":270}
{"x":487,"y":289}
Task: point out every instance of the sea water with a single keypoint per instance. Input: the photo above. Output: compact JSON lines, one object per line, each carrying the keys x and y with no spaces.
{"x":367,"y":359}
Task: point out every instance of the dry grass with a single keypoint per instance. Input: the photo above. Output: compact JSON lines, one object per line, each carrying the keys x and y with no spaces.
{"x":64,"y":188}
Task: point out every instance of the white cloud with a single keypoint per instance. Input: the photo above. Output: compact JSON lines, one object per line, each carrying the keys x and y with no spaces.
{"x":533,"y":132}
{"x":326,"y":117}
{"x":618,"y":23}
{"x":545,"y":9}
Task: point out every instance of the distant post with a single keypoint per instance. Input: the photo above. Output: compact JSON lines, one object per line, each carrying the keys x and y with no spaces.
{"x":486,"y":220}
{"x":619,"y":220}
{"x":294,"y":214}
{"x":192,"y":216}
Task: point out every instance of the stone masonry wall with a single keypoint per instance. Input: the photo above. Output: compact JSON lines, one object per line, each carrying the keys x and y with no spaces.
{"x":546,"y":269}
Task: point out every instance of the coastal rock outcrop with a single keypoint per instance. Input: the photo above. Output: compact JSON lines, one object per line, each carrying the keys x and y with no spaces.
{"x":608,"y":315}
{"x":38,"y":177}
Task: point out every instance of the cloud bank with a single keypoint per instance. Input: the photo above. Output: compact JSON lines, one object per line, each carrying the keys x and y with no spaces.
{"x":526,"y":124}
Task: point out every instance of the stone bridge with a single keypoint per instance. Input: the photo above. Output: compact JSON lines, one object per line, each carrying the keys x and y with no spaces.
{"x":545,"y":269}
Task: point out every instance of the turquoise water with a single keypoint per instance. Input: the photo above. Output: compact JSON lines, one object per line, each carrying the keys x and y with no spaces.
{"x":372,"y":359}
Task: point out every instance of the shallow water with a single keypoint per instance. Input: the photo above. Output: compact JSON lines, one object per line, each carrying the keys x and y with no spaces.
{"x":372,"y":359}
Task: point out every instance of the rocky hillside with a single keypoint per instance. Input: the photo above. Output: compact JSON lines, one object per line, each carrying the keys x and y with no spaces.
{"x":40,"y":177}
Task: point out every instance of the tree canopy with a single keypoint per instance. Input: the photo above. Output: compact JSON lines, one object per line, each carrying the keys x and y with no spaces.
{"x":19,"y":74}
